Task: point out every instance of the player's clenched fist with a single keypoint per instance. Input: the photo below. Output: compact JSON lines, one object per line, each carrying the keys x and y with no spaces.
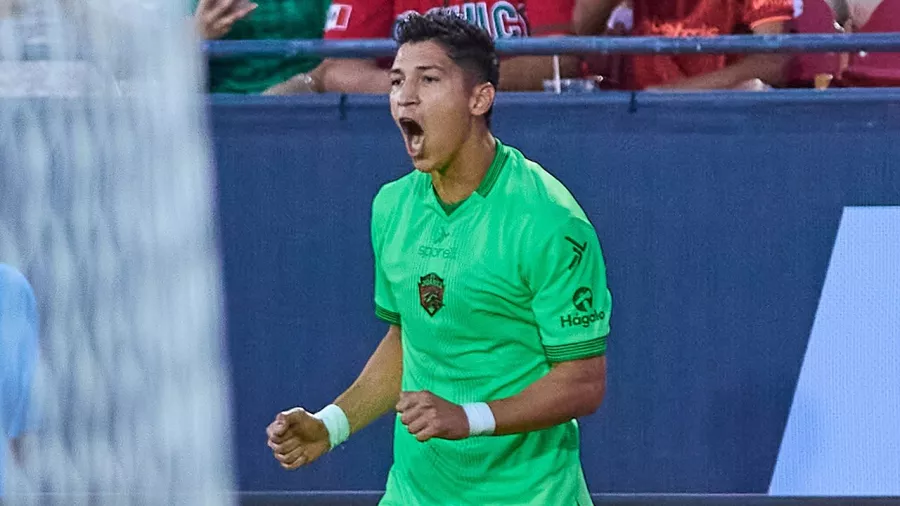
{"x":297,"y":438}
{"x":428,"y":416}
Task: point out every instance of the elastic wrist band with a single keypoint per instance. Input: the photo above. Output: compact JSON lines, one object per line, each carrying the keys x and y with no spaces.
{"x":481,"y":419}
{"x":336,"y":422}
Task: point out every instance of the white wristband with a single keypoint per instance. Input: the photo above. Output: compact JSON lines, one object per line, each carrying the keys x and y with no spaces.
{"x":481,"y":419}
{"x":336,"y":422}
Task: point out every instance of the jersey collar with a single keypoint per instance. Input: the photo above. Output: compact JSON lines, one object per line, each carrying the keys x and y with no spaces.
{"x":493,"y":172}
{"x":484,"y":188}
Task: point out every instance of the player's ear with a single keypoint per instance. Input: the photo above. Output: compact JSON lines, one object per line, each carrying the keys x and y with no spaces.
{"x":482,"y":99}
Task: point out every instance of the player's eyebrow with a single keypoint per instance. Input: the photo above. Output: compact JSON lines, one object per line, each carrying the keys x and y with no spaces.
{"x":420,"y":68}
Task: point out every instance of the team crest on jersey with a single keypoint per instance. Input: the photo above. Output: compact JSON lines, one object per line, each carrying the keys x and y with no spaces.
{"x":431,"y":293}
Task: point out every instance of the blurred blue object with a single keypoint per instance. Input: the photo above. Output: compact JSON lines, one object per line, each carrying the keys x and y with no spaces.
{"x":18,"y":357}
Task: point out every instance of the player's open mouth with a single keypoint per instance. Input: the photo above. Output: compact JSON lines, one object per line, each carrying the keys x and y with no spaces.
{"x":413,"y":135}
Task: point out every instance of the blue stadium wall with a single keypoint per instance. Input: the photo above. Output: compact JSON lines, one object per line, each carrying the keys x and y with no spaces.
{"x":718,"y":217}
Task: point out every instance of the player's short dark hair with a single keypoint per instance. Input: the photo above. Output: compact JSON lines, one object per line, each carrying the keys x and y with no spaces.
{"x":469,"y":46}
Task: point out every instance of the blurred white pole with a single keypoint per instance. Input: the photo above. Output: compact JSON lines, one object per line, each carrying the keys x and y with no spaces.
{"x":557,"y":86}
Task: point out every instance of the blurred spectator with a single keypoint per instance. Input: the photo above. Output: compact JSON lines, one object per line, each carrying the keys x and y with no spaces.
{"x":40,"y":52}
{"x":869,"y":16}
{"x":818,"y":70}
{"x":373,"y":19}
{"x":269,"y":19}
{"x":612,"y":69}
{"x":685,"y":18}
{"x":18,"y":359}
{"x":853,"y":13}
{"x":9,"y":8}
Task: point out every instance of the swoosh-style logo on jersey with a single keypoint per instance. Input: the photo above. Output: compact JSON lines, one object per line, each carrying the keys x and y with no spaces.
{"x":579,"y":250}
{"x":439,"y":235}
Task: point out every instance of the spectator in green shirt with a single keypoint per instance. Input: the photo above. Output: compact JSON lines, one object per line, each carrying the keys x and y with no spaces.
{"x":265,"y":19}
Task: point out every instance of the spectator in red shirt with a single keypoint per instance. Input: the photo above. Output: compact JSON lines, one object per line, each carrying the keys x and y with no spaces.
{"x":375,"y":19}
{"x":686,"y":18}
{"x":867,"y":69}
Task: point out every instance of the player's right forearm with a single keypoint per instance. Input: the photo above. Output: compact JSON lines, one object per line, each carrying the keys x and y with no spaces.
{"x":353,"y":76}
{"x":377,"y":389}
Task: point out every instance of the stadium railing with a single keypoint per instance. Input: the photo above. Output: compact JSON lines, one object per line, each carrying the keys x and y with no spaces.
{"x":733,"y":44}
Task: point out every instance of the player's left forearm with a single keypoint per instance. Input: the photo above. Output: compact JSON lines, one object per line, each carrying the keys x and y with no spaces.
{"x":570,"y":390}
{"x":527,"y":73}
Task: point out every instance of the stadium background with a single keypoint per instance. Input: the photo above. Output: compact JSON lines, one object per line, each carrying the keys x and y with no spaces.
{"x":718,"y":215}
{"x":752,"y":241}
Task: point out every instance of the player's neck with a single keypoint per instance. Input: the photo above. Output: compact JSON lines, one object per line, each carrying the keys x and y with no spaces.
{"x":464,"y":173}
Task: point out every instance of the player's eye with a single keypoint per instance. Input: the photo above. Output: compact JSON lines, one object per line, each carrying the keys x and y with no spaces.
{"x":395,"y":82}
{"x":430,"y":79}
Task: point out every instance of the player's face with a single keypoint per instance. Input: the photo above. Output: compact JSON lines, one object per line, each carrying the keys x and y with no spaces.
{"x":431,"y":102}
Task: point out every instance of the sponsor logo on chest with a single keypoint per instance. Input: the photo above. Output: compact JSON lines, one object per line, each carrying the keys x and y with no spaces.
{"x":436,"y":249}
{"x":433,"y":252}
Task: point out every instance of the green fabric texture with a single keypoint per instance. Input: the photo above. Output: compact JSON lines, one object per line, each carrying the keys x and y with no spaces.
{"x":272,"y":19}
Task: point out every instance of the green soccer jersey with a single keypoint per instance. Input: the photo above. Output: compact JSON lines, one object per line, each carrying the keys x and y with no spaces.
{"x":488,"y":295}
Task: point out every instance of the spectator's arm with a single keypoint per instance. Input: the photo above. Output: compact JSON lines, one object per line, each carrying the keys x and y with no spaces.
{"x":768,"y":68}
{"x":337,"y":75}
{"x":590,"y":16}
{"x":527,"y":73}
{"x":353,"y":76}
{"x":347,"y":20}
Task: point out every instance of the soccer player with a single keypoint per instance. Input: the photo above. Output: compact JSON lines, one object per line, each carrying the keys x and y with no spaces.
{"x":493,"y":284}
{"x":18,"y":357}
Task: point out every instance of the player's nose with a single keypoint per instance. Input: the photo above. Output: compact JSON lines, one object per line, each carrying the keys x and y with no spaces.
{"x":408,"y":94}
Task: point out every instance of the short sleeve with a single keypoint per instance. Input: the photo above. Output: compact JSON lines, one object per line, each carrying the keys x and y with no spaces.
{"x":549,"y":17}
{"x":385,"y":303}
{"x":18,"y":353}
{"x":359,"y":19}
{"x":758,"y":12}
{"x":571,"y":300}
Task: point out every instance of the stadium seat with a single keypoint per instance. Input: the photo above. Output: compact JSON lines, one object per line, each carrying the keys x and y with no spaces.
{"x":876,"y":69}
{"x":817,"y":17}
